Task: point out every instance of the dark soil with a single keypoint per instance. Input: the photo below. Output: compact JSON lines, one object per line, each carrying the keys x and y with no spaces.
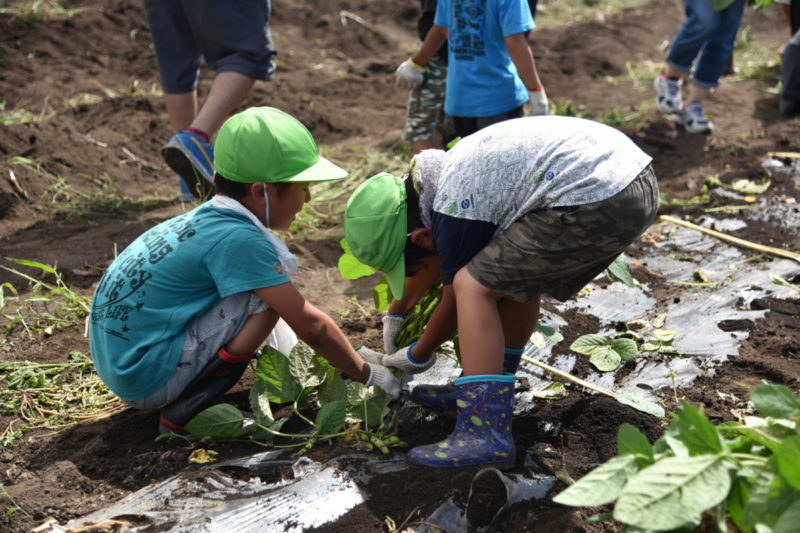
{"x":337,"y":79}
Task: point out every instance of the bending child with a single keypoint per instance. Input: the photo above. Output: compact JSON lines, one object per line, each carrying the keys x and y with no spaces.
{"x":530,"y":206}
{"x":179,"y":314}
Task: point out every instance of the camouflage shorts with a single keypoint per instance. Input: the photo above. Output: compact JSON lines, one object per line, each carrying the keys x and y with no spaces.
{"x":425,"y":104}
{"x":559,"y":250}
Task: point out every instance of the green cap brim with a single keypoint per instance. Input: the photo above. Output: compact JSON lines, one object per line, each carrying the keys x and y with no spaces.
{"x":396,"y":277}
{"x":322,"y":170}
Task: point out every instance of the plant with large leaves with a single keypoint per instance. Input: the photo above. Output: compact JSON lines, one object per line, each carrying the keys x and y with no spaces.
{"x":748,"y":471}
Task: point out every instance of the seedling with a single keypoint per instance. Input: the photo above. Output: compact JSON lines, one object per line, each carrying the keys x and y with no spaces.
{"x":352,"y":413}
{"x":747,"y":472}
{"x":605,"y":353}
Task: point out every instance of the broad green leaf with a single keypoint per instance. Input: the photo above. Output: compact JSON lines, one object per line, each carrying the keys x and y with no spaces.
{"x":356,"y":393}
{"x":367,"y":411}
{"x":554,"y":336}
{"x":674,"y":492}
{"x":333,"y":388}
{"x":304,"y":366}
{"x":770,"y":496}
{"x":622,"y":271}
{"x":789,"y":461}
{"x":650,"y":347}
{"x":273,"y":371}
{"x":605,"y":359}
{"x":552,"y":391}
{"x":789,"y":521}
{"x":382,"y":295}
{"x":698,"y":434}
{"x":664,"y":335}
{"x":350,"y":267}
{"x":774,"y":400}
{"x":600,"y":486}
{"x":632,"y":441}
{"x":644,"y":406}
{"x":330,"y":418}
{"x":221,"y":421}
{"x":626,"y":348}
{"x":259,"y":404}
{"x":586,"y":344}
{"x":737,"y":499}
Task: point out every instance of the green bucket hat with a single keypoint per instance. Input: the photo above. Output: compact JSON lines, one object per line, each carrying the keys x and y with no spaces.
{"x":264,"y":144}
{"x":375,"y":227}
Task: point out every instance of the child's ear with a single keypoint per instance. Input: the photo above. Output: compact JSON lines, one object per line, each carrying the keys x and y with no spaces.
{"x":422,"y":237}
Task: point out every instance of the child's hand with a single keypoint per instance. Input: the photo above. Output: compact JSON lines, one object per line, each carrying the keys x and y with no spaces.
{"x":401,"y":359}
{"x":408,"y":75}
{"x":537,"y":103}
{"x":380,"y":376}
{"x":391,"y":325}
{"x":370,"y":356}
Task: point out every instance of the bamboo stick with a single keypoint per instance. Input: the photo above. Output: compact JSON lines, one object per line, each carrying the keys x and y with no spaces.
{"x":725,"y":237}
{"x":569,"y":377}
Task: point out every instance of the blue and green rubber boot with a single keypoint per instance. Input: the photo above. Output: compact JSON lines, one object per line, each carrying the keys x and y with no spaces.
{"x":483,"y":426}
{"x":443,"y":397}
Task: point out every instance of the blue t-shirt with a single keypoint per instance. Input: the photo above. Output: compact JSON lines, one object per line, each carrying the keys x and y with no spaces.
{"x":171,"y":274}
{"x":482,"y":80}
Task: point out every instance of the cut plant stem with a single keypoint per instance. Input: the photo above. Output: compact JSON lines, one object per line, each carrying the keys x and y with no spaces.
{"x":569,"y":377}
{"x":725,"y":237}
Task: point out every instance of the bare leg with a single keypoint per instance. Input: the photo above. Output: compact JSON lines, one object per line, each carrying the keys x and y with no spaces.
{"x":228,"y":90}
{"x":697,"y":94}
{"x":519,"y":321}
{"x":671,"y":72}
{"x":418,"y":146}
{"x":252,"y":335}
{"x":480,"y":331}
{"x":181,"y":109}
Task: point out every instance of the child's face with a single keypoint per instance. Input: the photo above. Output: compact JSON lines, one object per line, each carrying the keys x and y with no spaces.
{"x":284,"y":207}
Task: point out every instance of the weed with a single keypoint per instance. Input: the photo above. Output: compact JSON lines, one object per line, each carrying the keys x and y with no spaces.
{"x":52,"y":397}
{"x":46,"y":9}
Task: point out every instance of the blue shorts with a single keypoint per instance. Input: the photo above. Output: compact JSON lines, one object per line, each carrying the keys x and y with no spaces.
{"x":231,"y":35}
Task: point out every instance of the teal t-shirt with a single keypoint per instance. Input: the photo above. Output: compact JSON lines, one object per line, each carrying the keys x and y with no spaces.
{"x":171,"y":274}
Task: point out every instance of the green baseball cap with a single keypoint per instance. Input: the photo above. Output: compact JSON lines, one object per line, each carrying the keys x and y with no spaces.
{"x":264,"y":144}
{"x":375,"y":227}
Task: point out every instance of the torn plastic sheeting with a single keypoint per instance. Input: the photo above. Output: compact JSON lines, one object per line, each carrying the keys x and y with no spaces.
{"x":320,"y":493}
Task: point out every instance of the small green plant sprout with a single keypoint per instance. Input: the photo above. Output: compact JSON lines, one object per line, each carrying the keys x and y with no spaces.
{"x":659,"y":341}
{"x":619,"y":269}
{"x":605,"y":353}
{"x":50,"y":306}
{"x":741,"y":185}
{"x":745,"y":472}
{"x":795,"y":289}
{"x":350,"y":413}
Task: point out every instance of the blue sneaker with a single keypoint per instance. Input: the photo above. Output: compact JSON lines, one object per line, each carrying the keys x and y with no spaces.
{"x":187,"y":195}
{"x":693,"y":119}
{"x":193,"y":159}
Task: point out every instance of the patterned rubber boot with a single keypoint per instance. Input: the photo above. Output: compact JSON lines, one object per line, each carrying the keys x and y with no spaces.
{"x":443,"y":397}
{"x":213,"y":381}
{"x":483,"y":427}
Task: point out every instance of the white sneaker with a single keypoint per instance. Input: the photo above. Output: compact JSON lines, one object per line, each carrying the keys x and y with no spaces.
{"x":692,"y":118}
{"x":668,"y":94}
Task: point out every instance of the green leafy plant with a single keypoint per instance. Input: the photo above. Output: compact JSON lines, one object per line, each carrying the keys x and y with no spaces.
{"x":619,"y":269}
{"x":352,"y":413}
{"x":746,"y":472}
{"x":659,"y":341}
{"x":605,"y":353}
{"x":50,"y":305}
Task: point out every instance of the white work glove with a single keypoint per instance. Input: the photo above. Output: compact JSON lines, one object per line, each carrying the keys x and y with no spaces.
{"x":408,"y":75}
{"x":537,"y":103}
{"x":391,"y":325}
{"x":380,"y":376}
{"x":370,"y":356}
{"x":401,"y":359}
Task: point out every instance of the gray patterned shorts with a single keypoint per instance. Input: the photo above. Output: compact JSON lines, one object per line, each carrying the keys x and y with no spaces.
{"x":559,"y":250}
{"x":426,"y":103}
{"x":205,"y":335}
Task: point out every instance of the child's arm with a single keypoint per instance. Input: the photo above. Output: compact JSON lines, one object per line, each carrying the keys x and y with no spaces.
{"x":322,"y":334}
{"x":433,"y":41}
{"x":521,"y":55}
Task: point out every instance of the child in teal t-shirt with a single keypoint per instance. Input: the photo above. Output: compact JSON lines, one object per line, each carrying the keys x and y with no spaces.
{"x":180,"y":312}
